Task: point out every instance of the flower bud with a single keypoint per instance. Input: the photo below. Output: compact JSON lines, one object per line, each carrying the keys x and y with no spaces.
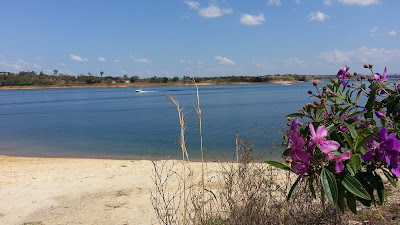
{"x":348,"y":85}
{"x":316,"y":103}
{"x":333,"y":94}
{"x":288,"y":124}
{"x":365,"y":66}
{"x":289,"y":119}
{"x":300,"y":124}
{"x":355,"y":73}
{"x":333,"y":107}
{"x":352,"y":84}
{"x":324,"y":88}
{"x":358,"y":79}
{"x":348,"y":74}
{"x":318,"y":96}
{"x":311,"y":105}
{"x":322,"y":100}
{"x":370,"y":66}
{"x":315,"y":83}
{"x":363,"y":77}
{"x":309,"y":92}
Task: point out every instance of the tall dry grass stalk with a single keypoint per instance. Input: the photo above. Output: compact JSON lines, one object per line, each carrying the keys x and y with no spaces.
{"x":198,"y":111}
{"x":185,"y":156}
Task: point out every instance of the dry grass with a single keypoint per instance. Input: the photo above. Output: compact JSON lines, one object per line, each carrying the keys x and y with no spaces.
{"x":244,"y":192}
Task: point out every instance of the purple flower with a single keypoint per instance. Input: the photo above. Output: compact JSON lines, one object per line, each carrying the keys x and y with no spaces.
{"x":379,"y":77}
{"x":319,"y":138}
{"x":293,"y":128}
{"x":387,"y":147}
{"x":396,"y":168}
{"x":341,"y":75}
{"x":380,"y":115}
{"x":339,"y":166}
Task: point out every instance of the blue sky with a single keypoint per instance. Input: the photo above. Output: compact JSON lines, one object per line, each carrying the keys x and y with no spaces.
{"x":199,"y":38}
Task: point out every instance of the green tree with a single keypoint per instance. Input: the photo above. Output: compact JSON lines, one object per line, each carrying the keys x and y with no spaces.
{"x":101,"y":73}
{"x":134,"y":79}
{"x":55,"y":72}
{"x":175,"y":79}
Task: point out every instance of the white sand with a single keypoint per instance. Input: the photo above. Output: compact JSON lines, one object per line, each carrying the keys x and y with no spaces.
{"x":77,"y":191}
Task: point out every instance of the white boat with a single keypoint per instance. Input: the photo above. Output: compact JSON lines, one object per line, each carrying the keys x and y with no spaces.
{"x":139,"y":90}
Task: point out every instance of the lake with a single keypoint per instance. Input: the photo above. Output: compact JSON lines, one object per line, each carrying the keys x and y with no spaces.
{"x":119,"y":123}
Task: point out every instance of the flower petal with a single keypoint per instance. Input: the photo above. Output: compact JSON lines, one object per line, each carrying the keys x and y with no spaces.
{"x":368,"y":156}
{"x":328,"y":146}
{"x":345,"y":155}
{"x":312,"y":130}
{"x":322,"y":132}
{"x":293,"y":127}
{"x":339,"y":167}
{"x":396,"y":169}
{"x":377,"y":76}
{"x":382,"y":134}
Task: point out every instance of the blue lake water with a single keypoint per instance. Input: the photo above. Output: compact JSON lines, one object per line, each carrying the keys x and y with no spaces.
{"x":119,"y":123}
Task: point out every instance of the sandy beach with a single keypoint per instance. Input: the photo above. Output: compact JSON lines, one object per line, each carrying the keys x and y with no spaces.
{"x":78,"y":191}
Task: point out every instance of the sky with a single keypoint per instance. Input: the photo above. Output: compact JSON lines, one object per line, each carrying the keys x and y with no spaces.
{"x":198,"y":38}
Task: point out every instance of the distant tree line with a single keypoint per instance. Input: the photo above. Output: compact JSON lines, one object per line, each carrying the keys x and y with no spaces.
{"x":31,"y":78}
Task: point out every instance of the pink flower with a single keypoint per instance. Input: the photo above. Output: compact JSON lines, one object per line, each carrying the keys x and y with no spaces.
{"x":339,"y":166}
{"x":379,"y":77}
{"x":319,"y":138}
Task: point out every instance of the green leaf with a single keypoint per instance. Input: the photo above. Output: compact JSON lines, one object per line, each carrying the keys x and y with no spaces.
{"x":353,"y":131}
{"x":371,"y":100}
{"x":390,"y":178}
{"x":278,"y":165}
{"x":355,"y":114}
{"x":348,"y":139}
{"x":341,"y":194}
{"x":295,"y":115}
{"x":358,"y":96}
{"x":292,"y":188}
{"x":349,"y":167}
{"x":318,"y":114}
{"x":380,"y":189}
{"x":330,"y":128}
{"x":329,"y":185}
{"x":355,"y":187}
{"x":355,"y":161}
{"x":311,"y":186}
{"x":351,"y":202}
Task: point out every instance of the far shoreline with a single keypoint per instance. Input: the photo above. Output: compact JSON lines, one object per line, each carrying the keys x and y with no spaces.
{"x":133,"y":85}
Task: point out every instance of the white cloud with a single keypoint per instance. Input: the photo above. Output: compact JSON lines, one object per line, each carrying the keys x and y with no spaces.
{"x":360,"y":2}
{"x":102,"y":59}
{"x":362,"y":55}
{"x":274,"y":2}
{"x":294,"y":61}
{"x":213,"y":11}
{"x":327,"y":2}
{"x":77,"y":58}
{"x":317,"y":16}
{"x":224,"y":61}
{"x":116,"y":60}
{"x":298,"y":2}
{"x":143,"y":61}
{"x":185,"y":61}
{"x":247,"y":19}
{"x":392,"y":33}
{"x":192,"y":4}
{"x":373,"y":31}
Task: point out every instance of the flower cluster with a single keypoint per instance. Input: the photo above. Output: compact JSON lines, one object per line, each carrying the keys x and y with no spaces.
{"x":358,"y":126}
